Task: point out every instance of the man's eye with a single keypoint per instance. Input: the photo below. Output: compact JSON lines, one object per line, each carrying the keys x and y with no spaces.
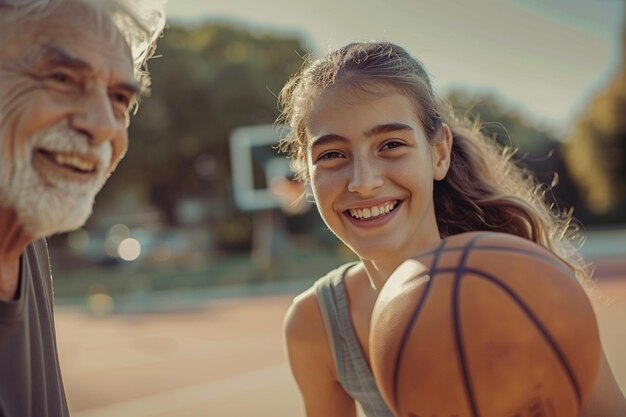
{"x":60,"y":77}
{"x":121,"y":98}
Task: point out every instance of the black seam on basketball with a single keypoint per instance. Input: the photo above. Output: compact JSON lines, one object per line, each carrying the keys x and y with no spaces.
{"x":437,"y":252}
{"x":498,"y":248}
{"x":533,"y":254}
{"x":459,"y":272}
{"x":542,"y":330}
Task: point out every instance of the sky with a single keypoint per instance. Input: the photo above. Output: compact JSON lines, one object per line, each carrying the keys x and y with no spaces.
{"x":545,"y":58}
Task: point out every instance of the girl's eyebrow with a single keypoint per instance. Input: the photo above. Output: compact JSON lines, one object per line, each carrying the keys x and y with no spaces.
{"x":386,"y":128}
{"x":326,"y":139}
{"x":375,"y":130}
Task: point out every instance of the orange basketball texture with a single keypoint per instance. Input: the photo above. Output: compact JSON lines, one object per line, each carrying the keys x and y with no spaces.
{"x":492,"y":326}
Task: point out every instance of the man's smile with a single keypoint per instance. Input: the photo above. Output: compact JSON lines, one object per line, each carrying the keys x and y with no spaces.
{"x":67,"y":165}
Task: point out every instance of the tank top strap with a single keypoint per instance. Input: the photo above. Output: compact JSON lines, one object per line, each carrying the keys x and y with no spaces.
{"x":353,"y":371}
{"x":331,"y":310}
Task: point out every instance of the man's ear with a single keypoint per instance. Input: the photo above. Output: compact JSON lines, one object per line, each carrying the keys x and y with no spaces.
{"x":442,"y":150}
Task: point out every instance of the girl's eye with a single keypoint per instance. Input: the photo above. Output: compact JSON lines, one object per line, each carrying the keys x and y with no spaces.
{"x":330,"y":155}
{"x":392,"y":144}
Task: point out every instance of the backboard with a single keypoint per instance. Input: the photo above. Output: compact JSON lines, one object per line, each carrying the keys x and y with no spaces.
{"x":254,"y":162}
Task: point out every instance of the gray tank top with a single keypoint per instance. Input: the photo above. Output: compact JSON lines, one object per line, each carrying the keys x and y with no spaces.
{"x":352,"y":368}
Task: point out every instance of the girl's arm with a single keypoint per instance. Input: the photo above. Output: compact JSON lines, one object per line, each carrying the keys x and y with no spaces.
{"x":312,"y":363}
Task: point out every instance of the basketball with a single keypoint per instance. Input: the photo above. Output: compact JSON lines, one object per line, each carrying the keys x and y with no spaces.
{"x":485,"y":324}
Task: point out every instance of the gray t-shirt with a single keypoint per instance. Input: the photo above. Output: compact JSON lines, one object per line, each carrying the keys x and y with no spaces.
{"x":30,"y":377}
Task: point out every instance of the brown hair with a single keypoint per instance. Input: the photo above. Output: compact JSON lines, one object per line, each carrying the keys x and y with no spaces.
{"x":483,"y":189}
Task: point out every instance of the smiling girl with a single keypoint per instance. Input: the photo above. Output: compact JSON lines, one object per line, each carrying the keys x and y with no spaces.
{"x":392,"y":172}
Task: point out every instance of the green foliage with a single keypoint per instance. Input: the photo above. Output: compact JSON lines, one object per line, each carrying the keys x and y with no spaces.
{"x":596,"y":152}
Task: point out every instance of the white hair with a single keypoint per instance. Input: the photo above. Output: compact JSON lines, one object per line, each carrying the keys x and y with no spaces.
{"x":140,"y":22}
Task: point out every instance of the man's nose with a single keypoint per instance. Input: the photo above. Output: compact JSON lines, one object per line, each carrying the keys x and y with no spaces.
{"x":95,"y":117}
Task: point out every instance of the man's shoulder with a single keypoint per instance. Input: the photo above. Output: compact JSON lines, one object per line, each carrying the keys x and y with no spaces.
{"x":38,"y":257}
{"x":40,"y":246}
{"x":40,"y":249}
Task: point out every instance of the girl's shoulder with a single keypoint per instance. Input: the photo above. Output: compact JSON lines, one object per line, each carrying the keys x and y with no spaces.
{"x":305,"y":334}
{"x":304,"y":322}
{"x":302,"y":317}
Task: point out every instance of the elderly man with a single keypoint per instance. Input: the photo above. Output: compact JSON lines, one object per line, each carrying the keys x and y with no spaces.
{"x":70,"y":71}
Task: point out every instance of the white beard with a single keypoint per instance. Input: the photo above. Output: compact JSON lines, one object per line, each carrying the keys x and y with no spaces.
{"x":53,"y":204}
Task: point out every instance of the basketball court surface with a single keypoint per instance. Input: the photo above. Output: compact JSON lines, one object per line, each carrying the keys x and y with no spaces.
{"x":225,"y":357}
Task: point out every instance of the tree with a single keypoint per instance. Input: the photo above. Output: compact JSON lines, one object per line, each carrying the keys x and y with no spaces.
{"x":596,"y":150}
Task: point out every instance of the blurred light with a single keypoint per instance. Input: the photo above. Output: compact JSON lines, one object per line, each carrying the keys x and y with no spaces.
{"x":129,"y":249}
{"x":78,"y":240}
{"x":118,"y":231}
{"x":110,"y":247}
{"x":206,"y":166}
{"x":115,"y":235}
{"x":100,"y":303}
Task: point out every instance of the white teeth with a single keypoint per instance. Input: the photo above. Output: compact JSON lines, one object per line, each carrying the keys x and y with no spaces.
{"x":368,"y":212}
{"x":74,"y":162}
